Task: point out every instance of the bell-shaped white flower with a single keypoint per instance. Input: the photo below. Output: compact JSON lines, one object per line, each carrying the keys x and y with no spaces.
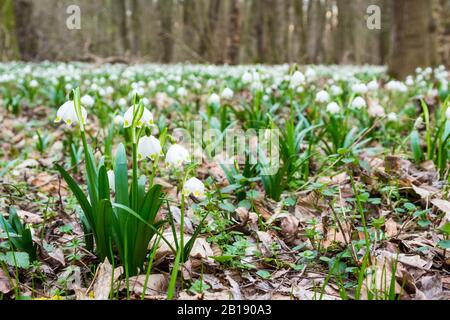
{"x":214,"y":99}
{"x":227,"y":94}
{"x":122,"y":102}
{"x":145,"y":120}
{"x":322,"y":97}
{"x":373,"y":85}
{"x":111,"y":180}
{"x":358,"y":103}
{"x":148,"y":147}
{"x":181,"y":92}
{"x":336,"y":90}
{"x":194,"y":186}
{"x":392,"y":117}
{"x":68,"y":114}
{"x":297,"y":79}
{"x":333,"y":108}
{"x":247,"y":77}
{"x":359,"y":88}
{"x":177,"y":155}
{"x":447,"y":113}
{"x":87,"y":100}
{"x":376,"y":111}
{"x":34,"y":83}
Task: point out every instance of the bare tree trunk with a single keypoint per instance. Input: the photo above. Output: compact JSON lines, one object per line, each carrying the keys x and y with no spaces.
{"x":165,"y":9}
{"x":8,"y":36}
{"x":136,"y":28}
{"x":234,"y":34}
{"x":316,"y":19}
{"x":206,"y":47}
{"x":301,"y":27}
{"x":25,"y":31}
{"x":411,"y":37}
{"x":123,"y":28}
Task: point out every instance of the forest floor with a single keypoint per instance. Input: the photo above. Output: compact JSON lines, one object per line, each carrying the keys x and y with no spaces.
{"x":309,"y":244}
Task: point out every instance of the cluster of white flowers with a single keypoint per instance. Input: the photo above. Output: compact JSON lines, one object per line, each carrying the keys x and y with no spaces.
{"x":397,"y":86}
{"x":333,"y":108}
{"x":358,"y":103}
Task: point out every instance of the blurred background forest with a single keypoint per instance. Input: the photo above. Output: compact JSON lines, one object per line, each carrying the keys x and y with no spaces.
{"x":413,"y":32}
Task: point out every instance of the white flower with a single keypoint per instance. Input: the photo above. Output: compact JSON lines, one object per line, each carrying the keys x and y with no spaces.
{"x":214,"y":99}
{"x":227,"y":94}
{"x":322,"y":97}
{"x":87,"y":100}
{"x":68,"y":114}
{"x":146,"y":119}
{"x":149,"y":147}
{"x":447,"y":113}
{"x":336,"y":90}
{"x":409,"y":81}
{"x":181,"y":92}
{"x":310,"y":73}
{"x":300,"y":89}
{"x":297,"y":79}
{"x":247,"y":77}
{"x":359,"y":88}
{"x":118,"y":120}
{"x":68,"y":87}
{"x":394,"y":85}
{"x":392,"y":117}
{"x":333,"y":108}
{"x":177,"y":155}
{"x":34,"y":83}
{"x":373,"y":85}
{"x":195,"y":187}
{"x":358,"y":103}
{"x":111,"y":180}
{"x":376,"y":111}
{"x":122,"y":102}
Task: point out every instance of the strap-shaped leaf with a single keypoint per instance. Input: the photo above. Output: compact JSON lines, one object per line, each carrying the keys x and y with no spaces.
{"x":78,"y":193}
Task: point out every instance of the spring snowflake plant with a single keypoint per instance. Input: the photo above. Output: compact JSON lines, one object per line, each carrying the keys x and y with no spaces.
{"x":125,"y":224}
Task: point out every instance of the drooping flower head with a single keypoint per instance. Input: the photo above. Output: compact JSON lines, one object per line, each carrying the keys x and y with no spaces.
{"x":358,"y":103}
{"x":333,"y":108}
{"x":148,"y":147}
{"x":214,"y":99}
{"x":227,"y":94}
{"x":177,"y":155}
{"x":194,"y":186}
{"x":146,"y":119}
{"x":322,"y":97}
{"x":68,"y":114}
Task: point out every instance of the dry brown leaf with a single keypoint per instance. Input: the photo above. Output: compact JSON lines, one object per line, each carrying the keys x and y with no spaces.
{"x":5,"y":286}
{"x":29,"y":217}
{"x":444,"y":206}
{"x":102,"y":285}
{"x":235,"y":289}
{"x":156,"y":285}
{"x":391,"y":228}
{"x":423,"y":193}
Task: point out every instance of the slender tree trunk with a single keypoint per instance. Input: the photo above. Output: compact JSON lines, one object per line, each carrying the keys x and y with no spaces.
{"x":165,"y":9}
{"x":136,"y":28}
{"x":123,"y":28}
{"x":301,"y":28}
{"x":234,"y":33}
{"x":25,"y":31}
{"x":411,"y":37}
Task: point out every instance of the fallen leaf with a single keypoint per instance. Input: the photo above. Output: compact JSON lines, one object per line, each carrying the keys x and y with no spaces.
{"x":391,"y":228}
{"x":156,"y":285}
{"x":444,"y":206}
{"x":5,"y":286}
{"x":102,"y":285}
